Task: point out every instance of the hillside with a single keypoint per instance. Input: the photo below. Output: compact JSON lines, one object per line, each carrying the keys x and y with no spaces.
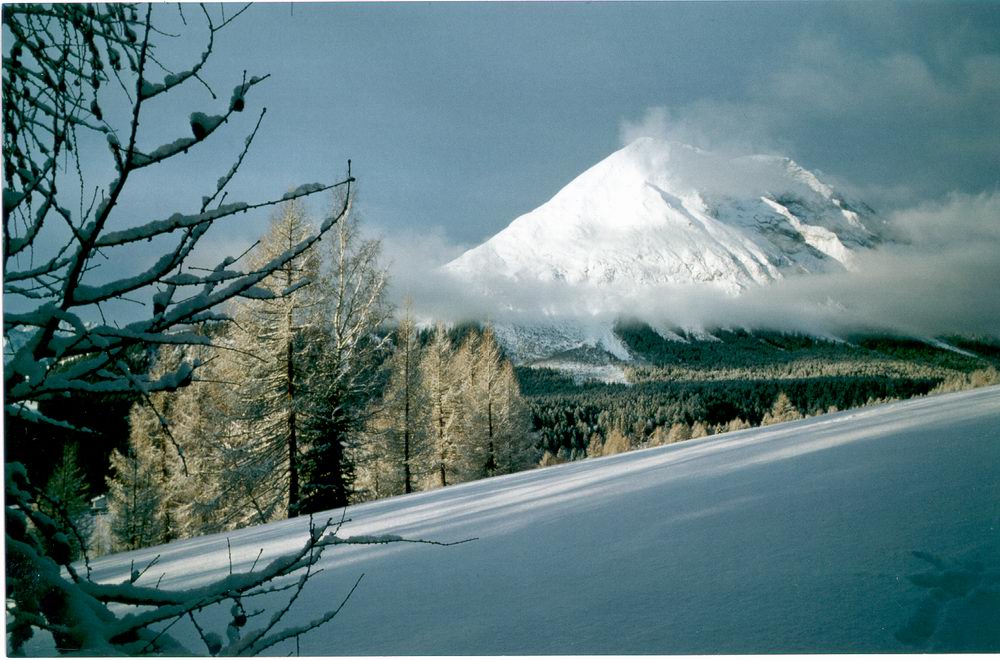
{"x":645,"y":354}
{"x":872,"y":530}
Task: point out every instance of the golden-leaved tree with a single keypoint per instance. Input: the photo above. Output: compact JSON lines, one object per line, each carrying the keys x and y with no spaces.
{"x":84,"y":78}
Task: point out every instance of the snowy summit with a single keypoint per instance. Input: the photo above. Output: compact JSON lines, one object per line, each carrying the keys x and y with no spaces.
{"x":659,"y":212}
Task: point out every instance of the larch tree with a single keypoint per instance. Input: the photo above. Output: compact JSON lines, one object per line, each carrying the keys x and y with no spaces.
{"x":299,"y":366}
{"x":736,"y":424}
{"x":270,"y":339}
{"x":488,"y":393}
{"x":344,"y":359}
{"x":783,"y":410}
{"x":679,"y":432}
{"x":135,"y":501}
{"x":513,"y":444}
{"x":699,"y":430}
{"x":466,"y":364}
{"x":167,"y":465}
{"x":79,"y":76}
{"x":616,"y":443}
{"x":146,"y":477}
{"x":497,"y":431}
{"x":197,"y":421}
{"x":396,"y":436}
{"x":441,"y":384}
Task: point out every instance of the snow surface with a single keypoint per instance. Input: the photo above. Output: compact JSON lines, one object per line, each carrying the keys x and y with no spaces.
{"x":582,"y":372}
{"x":874,"y":530}
{"x":527,"y":343}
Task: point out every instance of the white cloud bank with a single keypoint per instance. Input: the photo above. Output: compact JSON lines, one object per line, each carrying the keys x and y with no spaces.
{"x":938,"y":276}
{"x":900,"y":126}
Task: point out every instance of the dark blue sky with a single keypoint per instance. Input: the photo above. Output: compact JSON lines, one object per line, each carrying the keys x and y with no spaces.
{"x":460,"y":117}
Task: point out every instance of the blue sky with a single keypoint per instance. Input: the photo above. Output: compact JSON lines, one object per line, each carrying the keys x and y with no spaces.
{"x":459,"y":117}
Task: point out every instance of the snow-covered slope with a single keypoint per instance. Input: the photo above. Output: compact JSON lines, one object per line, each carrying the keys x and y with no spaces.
{"x":657,"y":212}
{"x":875,"y":530}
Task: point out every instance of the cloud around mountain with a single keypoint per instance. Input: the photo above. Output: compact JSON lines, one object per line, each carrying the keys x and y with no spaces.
{"x":935,"y":275}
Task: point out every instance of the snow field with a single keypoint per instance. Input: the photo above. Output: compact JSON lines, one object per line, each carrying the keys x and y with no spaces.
{"x":873,"y":530}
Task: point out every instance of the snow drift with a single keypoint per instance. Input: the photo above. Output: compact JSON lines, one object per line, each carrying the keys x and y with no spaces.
{"x":873,"y":530}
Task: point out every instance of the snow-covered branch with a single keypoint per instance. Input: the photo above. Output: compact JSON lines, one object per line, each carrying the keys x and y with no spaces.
{"x":59,"y":342}
{"x":64,"y":282}
{"x":88,"y":624}
{"x":77,"y":613}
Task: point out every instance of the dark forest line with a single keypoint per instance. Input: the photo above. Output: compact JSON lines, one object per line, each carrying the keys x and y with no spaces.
{"x":700,"y":386}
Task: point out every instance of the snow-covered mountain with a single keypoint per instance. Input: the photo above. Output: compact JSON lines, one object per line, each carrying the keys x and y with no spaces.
{"x":658,"y":212}
{"x":871,"y":530}
{"x":654,"y":214}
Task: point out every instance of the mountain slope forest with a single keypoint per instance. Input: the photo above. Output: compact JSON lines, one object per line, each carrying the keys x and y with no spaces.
{"x":734,"y":379}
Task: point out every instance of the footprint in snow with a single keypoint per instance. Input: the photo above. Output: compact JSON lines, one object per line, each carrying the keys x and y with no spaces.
{"x":961,"y":611}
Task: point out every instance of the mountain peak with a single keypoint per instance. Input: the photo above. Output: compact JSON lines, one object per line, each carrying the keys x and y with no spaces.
{"x":659,"y":212}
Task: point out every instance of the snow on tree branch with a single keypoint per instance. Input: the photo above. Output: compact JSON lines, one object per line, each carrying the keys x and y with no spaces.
{"x":87,"y":42}
{"x":67,"y":64}
{"x":77,"y":614}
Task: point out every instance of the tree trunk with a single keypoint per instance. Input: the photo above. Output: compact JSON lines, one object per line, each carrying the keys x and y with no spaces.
{"x":293,"y":450}
{"x":491,"y":461}
{"x":444,"y":478}
{"x":407,"y":485}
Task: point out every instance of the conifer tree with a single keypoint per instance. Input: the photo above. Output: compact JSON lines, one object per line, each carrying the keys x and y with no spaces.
{"x":513,"y":444}
{"x":488,"y":393}
{"x":617,"y":443}
{"x":468,"y":413}
{"x":157,"y":477}
{"x":549,"y":459}
{"x":679,"y":432}
{"x":197,"y":422}
{"x":146,"y":473}
{"x":595,"y":446}
{"x":162,"y":446}
{"x":66,"y":498}
{"x":737,"y":424}
{"x":441,"y":385}
{"x":497,"y":439}
{"x":396,"y":437}
{"x":198,"y":416}
{"x":133,"y":502}
{"x":300,"y":366}
{"x":699,"y":430}
{"x":782,"y":411}
{"x":269,"y":341}
{"x":449,"y":415}
{"x":51,"y":257}
{"x":659,"y":436}
{"x":343,"y":364}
